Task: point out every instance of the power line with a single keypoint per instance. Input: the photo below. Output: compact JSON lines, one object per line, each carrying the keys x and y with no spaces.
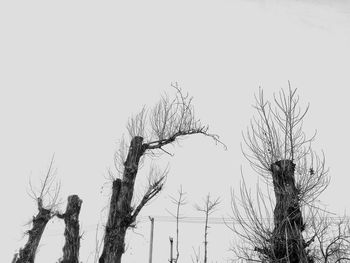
{"x":190,"y":220}
{"x":214,"y":220}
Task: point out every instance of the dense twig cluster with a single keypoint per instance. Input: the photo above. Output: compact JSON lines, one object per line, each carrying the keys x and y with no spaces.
{"x":330,"y":237}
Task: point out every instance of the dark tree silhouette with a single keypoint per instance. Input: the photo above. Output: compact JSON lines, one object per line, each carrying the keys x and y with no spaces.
{"x":150,"y":132}
{"x":71,"y":233}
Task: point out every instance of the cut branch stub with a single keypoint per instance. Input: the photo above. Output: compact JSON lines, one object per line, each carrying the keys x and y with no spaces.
{"x":71,"y":232}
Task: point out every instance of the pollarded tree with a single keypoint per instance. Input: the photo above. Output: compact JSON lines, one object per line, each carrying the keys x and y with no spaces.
{"x":72,"y":235}
{"x":47,"y":201}
{"x":280,"y":152}
{"x":150,"y":132}
{"x":46,"y":198}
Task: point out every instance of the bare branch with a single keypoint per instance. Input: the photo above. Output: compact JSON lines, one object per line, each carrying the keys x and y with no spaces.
{"x":120,"y":156}
{"x":155,"y":185}
{"x":137,"y":124}
{"x":173,"y":118}
{"x":47,"y":196}
{"x":332,"y":238}
{"x":276,"y":133}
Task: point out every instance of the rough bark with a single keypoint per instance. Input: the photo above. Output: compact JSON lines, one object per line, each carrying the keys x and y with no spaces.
{"x":71,"y":232}
{"x":287,"y":244}
{"x":27,"y":254}
{"x":120,"y":210}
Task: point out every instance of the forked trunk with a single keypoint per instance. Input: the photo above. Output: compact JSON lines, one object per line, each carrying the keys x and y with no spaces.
{"x":120,"y":210}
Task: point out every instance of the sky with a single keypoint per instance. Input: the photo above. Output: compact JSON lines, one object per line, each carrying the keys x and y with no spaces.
{"x":73,"y":72}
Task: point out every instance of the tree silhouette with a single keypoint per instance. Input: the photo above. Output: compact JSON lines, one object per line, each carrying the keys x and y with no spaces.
{"x":280,"y":152}
{"x":150,"y":132}
{"x":46,"y":198}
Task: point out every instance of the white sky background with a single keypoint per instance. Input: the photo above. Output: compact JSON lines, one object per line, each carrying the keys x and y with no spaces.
{"x":72,"y":72}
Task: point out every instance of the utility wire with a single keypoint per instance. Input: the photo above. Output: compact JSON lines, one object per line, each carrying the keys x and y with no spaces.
{"x":186,"y":220}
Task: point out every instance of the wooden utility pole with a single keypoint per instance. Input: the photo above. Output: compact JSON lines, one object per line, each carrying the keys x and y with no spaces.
{"x":171,"y":250}
{"x":151,"y":240}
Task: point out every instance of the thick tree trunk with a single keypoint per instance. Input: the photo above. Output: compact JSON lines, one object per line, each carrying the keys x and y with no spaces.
{"x":71,"y":232}
{"x":287,"y":242}
{"x":120,"y":210}
{"x":27,"y":254}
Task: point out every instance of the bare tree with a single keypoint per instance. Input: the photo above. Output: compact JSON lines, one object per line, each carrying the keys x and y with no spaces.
{"x":46,"y":198}
{"x":179,"y":202}
{"x":150,"y":132}
{"x":209,"y":206}
{"x":280,"y":152}
{"x":71,"y":233}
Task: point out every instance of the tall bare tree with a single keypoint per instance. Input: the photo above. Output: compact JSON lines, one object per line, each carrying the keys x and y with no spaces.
{"x":208,"y":207}
{"x":280,"y":152}
{"x":150,"y":132}
{"x":178,"y":202}
{"x":46,"y":198}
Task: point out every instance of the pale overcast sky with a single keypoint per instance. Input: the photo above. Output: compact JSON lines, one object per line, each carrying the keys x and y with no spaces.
{"x":72,"y":72}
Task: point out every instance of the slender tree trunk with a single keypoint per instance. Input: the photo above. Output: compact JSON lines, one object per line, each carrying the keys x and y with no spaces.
{"x":27,"y":254}
{"x":71,"y":232}
{"x":288,"y":244}
{"x":206,"y":235}
{"x":177,"y":232}
{"x":120,"y":210}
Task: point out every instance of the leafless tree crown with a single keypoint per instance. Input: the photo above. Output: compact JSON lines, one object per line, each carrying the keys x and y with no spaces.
{"x":47,"y":195}
{"x":279,"y":151}
{"x":168,"y":121}
{"x":276,"y":134}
